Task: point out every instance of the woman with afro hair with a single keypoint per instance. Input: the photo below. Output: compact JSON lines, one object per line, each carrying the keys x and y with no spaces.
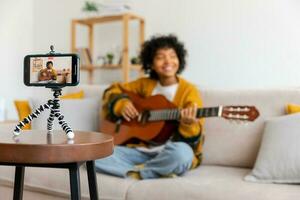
{"x":163,"y":59}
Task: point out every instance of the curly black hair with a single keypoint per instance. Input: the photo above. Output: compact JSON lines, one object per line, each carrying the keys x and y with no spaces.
{"x":150,"y":47}
{"x":49,"y":62}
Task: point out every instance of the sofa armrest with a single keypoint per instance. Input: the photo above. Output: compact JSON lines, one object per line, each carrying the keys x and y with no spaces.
{"x":8,"y":125}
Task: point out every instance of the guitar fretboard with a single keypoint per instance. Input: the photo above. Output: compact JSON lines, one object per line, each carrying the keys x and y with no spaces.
{"x":174,"y":114}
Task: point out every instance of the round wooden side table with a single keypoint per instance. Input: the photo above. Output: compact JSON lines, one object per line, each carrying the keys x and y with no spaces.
{"x":36,"y":148}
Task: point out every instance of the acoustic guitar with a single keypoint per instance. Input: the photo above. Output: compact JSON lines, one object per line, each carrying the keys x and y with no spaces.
{"x":158,"y":119}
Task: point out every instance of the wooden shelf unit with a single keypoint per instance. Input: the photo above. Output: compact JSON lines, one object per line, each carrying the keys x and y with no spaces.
{"x":125,"y":66}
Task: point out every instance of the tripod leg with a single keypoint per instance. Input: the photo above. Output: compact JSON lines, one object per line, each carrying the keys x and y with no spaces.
{"x":29,"y":118}
{"x":56,"y":112}
{"x":50,"y":121}
{"x":64,"y":125}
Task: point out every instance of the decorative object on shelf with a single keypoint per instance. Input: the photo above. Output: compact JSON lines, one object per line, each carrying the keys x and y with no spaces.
{"x":85,"y":56}
{"x":135,"y":60}
{"x":110,"y":58}
{"x":92,"y":8}
{"x":113,"y":8}
{"x":117,"y":51}
{"x":101,"y":60}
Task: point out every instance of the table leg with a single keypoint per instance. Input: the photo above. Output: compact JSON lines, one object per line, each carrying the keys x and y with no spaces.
{"x":90,"y":165}
{"x":75,"y":182}
{"x":19,"y":183}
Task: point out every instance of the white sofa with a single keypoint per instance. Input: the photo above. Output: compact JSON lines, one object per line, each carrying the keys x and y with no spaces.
{"x":230,"y":152}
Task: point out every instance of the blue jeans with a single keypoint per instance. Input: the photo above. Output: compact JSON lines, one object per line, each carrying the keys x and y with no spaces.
{"x":175,"y":158}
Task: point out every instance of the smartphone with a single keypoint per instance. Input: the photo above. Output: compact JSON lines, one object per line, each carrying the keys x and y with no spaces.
{"x":56,"y":70}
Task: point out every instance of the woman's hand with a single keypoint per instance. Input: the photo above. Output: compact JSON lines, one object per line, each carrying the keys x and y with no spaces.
{"x":188,"y":115}
{"x":129,"y":111}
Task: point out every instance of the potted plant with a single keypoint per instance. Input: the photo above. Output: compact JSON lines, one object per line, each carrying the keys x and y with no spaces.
{"x":110,"y":57}
{"x":135,"y":60}
{"x":90,"y":7}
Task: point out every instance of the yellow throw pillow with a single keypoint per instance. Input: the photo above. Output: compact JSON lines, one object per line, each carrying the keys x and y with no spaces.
{"x":77,"y":95}
{"x":24,"y":109}
{"x":292,"y":108}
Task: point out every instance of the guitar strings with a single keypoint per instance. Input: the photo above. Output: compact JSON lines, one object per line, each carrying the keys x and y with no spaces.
{"x":174,"y":114}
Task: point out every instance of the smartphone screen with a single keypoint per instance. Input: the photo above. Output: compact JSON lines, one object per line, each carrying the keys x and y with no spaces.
{"x":48,"y":70}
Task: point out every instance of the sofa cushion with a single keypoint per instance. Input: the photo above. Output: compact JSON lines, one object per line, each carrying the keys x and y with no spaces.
{"x":211,"y":183}
{"x":8,"y":126}
{"x":233,"y":144}
{"x":76,"y":95}
{"x":278,"y":160}
{"x":23,"y":110}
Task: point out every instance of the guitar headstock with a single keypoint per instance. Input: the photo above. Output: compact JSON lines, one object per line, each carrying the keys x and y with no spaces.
{"x":242,"y":113}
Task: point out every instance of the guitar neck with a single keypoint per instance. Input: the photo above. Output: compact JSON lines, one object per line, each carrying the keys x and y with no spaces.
{"x":174,"y":114}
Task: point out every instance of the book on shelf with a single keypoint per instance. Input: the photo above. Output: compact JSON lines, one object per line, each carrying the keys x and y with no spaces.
{"x":85,"y":56}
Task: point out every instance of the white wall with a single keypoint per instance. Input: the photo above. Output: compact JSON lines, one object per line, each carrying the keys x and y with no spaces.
{"x":231,"y":44}
{"x":16,"y":40}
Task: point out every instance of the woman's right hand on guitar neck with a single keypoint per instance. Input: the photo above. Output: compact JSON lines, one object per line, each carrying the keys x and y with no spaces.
{"x":129,"y":111}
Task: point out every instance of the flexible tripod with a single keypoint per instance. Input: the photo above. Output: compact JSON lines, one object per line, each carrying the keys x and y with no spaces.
{"x":54,"y":106}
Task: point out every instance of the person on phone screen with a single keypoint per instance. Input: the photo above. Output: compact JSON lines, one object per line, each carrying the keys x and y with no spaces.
{"x":162,"y":58}
{"x":48,"y":73}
